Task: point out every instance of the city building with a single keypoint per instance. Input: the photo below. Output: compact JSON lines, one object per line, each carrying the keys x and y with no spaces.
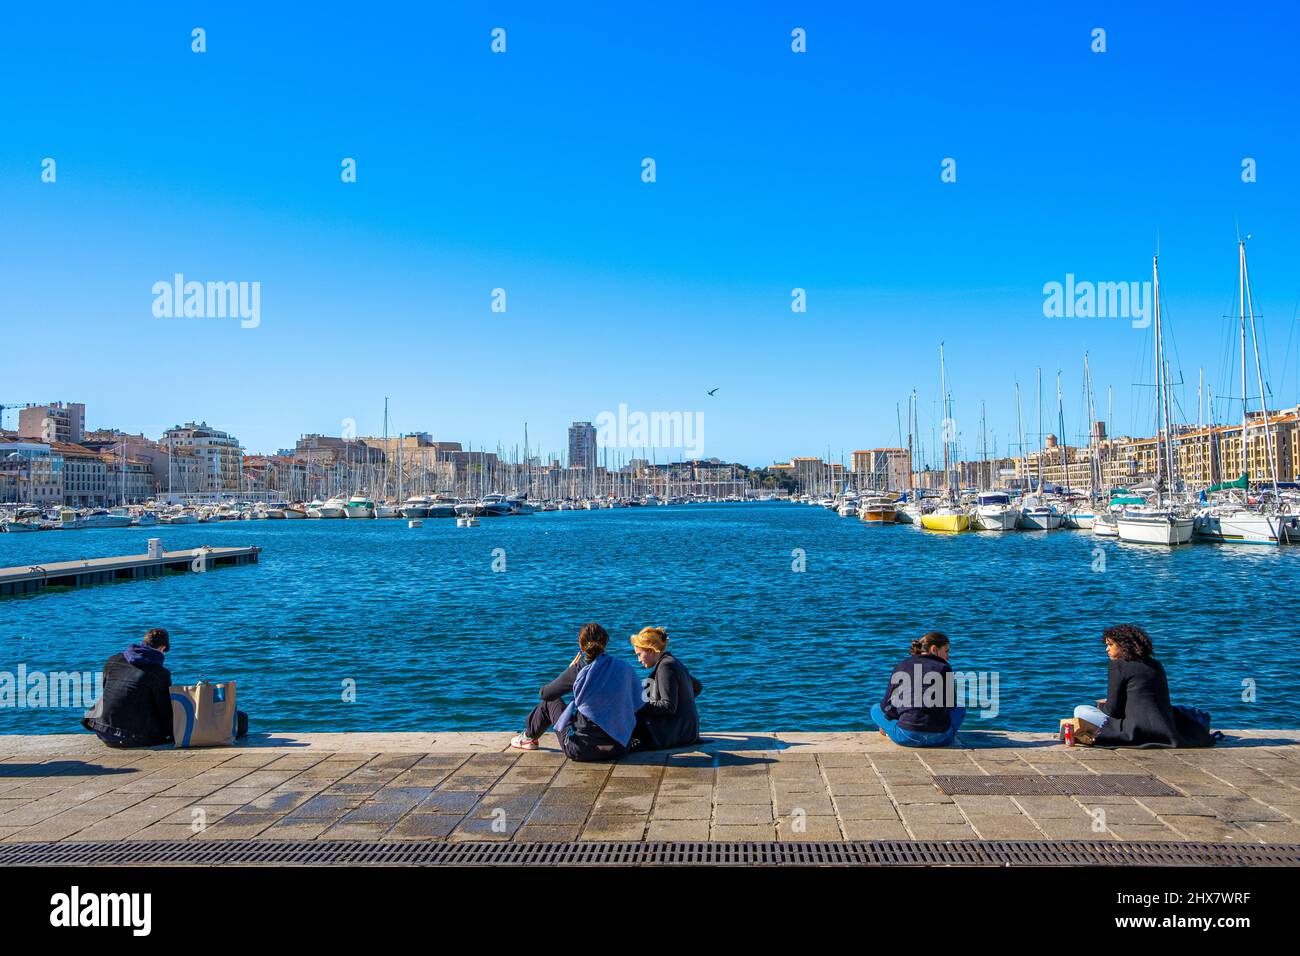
{"x":884,"y":469}
{"x":54,"y":422}
{"x":582,"y":454}
{"x":219,"y":455}
{"x":31,"y":473}
{"x":85,"y":475}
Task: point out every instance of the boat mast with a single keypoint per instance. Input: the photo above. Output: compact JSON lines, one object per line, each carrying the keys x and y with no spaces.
{"x":1060,"y":426}
{"x":1093,"y":448}
{"x":947,"y":420}
{"x":1020,"y":425}
{"x":911,"y":457}
{"x":1259,"y":373}
{"x":1160,"y":406}
{"x":1040,"y":431}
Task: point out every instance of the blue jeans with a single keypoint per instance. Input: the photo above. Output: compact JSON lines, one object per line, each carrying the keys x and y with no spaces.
{"x":915,"y":738}
{"x":1092,"y":715}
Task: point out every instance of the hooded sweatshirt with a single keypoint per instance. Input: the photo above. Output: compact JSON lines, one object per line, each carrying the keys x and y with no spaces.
{"x":136,"y":704}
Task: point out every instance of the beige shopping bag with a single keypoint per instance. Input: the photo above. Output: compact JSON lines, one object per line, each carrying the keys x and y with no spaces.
{"x":204,"y":714}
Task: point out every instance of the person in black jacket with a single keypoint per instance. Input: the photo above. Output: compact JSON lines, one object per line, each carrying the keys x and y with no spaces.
{"x":668,"y":718}
{"x":134,"y":709}
{"x":1137,"y":711}
{"x":919,"y":709}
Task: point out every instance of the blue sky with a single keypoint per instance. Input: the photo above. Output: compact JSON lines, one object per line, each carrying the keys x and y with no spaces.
{"x":523,"y":171}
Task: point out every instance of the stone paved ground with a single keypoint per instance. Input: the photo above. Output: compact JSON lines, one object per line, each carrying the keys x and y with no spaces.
{"x":851,"y":786}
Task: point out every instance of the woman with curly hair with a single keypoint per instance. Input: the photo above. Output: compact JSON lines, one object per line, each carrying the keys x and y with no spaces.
{"x":1137,"y":711}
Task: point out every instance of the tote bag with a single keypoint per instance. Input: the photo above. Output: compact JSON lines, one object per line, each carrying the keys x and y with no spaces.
{"x":204,"y":714}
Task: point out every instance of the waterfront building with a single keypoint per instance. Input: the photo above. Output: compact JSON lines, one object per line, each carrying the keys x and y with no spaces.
{"x":85,"y":475}
{"x":219,"y":455}
{"x":882,"y":469}
{"x":30,"y":472}
{"x":328,"y":451}
{"x":127,"y":481}
{"x":582,"y":454}
{"x":56,"y":422}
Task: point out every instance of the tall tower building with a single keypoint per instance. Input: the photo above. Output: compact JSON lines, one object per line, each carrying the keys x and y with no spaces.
{"x":582,"y":451}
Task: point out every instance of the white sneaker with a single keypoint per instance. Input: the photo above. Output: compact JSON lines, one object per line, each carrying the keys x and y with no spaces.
{"x":520,"y":742}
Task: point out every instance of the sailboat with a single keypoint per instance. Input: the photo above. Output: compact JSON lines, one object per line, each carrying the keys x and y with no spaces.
{"x":1158,"y":523}
{"x":1036,"y":513}
{"x":994,"y":510}
{"x":1231,"y":519}
{"x":950,"y":516}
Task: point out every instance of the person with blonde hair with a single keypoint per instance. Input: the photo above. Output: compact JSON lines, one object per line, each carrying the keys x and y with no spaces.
{"x":668,"y":717}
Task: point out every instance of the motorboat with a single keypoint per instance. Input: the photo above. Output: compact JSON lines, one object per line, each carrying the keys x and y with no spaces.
{"x":417,"y":506}
{"x":359,"y":506}
{"x":335,"y":507}
{"x":878,"y":510}
{"x":495,"y":506}
{"x":1038,"y":515}
{"x":100,"y":518}
{"x":994,"y":511}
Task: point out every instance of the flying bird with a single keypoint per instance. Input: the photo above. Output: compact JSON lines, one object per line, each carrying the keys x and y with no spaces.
{"x":712,"y":390}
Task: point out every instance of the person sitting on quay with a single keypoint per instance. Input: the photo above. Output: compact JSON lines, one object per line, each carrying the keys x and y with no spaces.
{"x":598,"y":723}
{"x":135,"y":709}
{"x":909,"y":715}
{"x":1137,"y":711}
{"x":668,"y":717}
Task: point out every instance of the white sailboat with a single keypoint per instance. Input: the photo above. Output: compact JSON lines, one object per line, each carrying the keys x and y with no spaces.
{"x":1158,"y":524}
{"x":1232,"y":520}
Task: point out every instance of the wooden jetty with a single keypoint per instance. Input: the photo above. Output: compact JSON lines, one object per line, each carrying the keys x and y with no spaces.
{"x":36,"y":578}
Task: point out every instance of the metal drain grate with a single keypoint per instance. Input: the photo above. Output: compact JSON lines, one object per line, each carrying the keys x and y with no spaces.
{"x":1064,"y":784}
{"x":848,"y":853}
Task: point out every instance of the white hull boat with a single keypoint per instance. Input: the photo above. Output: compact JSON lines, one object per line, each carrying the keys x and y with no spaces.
{"x":1241,"y":526}
{"x":1154,"y":526}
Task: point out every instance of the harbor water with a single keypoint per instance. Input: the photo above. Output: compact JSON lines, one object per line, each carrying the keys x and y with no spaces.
{"x":371,"y":625}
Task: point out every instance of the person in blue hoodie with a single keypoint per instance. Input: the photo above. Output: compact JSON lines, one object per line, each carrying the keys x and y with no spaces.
{"x":134,"y":708}
{"x":597,"y":723}
{"x":919,"y":709}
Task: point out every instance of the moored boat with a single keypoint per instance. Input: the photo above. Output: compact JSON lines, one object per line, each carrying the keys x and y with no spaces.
{"x":948,"y":518}
{"x":995,"y":512}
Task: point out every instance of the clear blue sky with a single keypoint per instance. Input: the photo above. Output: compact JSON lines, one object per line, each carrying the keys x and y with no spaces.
{"x":522,"y":171}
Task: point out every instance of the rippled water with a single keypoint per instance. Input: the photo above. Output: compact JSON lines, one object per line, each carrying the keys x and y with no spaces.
{"x":436,"y":640}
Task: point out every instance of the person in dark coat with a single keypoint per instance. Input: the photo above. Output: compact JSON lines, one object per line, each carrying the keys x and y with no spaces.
{"x":135,"y":709}
{"x":919,"y":709}
{"x":668,"y":717}
{"x":598,"y":724}
{"x":1137,"y":711}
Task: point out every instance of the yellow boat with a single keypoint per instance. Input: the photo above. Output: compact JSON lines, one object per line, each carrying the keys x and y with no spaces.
{"x":946,"y":519}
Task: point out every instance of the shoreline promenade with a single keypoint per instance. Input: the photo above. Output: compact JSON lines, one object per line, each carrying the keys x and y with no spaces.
{"x":741,"y":787}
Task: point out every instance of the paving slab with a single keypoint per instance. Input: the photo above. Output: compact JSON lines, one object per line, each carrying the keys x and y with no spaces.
{"x":732,"y":786}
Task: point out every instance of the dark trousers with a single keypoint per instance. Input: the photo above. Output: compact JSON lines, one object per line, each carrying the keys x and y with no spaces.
{"x":543,"y":718}
{"x":582,"y":747}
